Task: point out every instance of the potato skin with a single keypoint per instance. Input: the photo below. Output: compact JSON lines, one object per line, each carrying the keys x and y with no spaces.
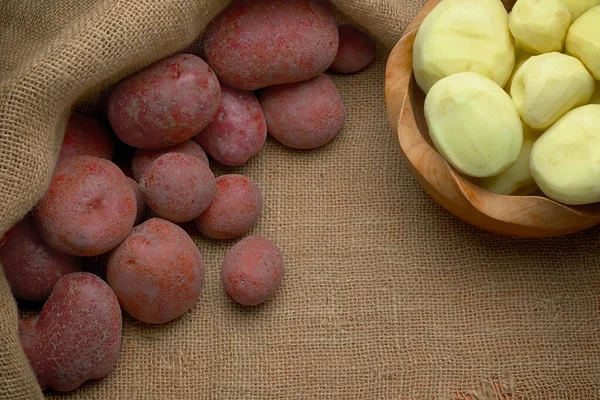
{"x":257,"y":43}
{"x":235,"y":209}
{"x":166,"y":103}
{"x":88,"y":209}
{"x":252,"y":271}
{"x":355,"y":51}
{"x":142,"y":158}
{"x":77,"y":335}
{"x":157,"y":272}
{"x":238,"y":131}
{"x":303,"y":115}
{"x":86,"y":136}
{"x":30,"y":265}
{"x":178,"y":187}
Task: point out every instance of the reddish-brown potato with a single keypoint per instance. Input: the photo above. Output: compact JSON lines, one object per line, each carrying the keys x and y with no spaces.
{"x":235,"y":209}
{"x":31,"y":267}
{"x":142,"y":159}
{"x":139,"y":200}
{"x":77,"y":335}
{"x":257,"y":43}
{"x":166,"y":103}
{"x":238,"y":131}
{"x":88,"y":209}
{"x":303,"y":115}
{"x":178,"y":187}
{"x":157,"y":272}
{"x":355,"y":51}
{"x":252,"y":271}
{"x":86,"y":136}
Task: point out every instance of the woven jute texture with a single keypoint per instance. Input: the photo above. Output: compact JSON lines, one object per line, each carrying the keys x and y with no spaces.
{"x":387,"y":296}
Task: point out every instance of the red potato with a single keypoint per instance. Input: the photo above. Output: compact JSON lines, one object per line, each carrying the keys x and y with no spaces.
{"x":31,"y":267}
{"x":257,"y":43}
{"x":238,"y":131}
{"x":88,"y":209}
{"x":139,"y":200}
{"x":235,"y":209}
{"x":165,"y":104}
{"x":143,"y":158}
{"x":303,"y":115}
{"x":157,"y":273}
{"x":178,"y":187}
{"x":252,"y":271}
{"x":355,"y":51}
{"x":77,"y":335}
{"x":86,"y":136}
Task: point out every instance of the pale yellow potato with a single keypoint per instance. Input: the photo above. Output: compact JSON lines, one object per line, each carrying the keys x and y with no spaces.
{"x":474,"y":124}
{"x":583,"y":40}
{"x":539,"y":26}
{"x":578,"y":7}
{"x":565,"y":159}
{"x":463,"y":35}
{"x":547,"y":86}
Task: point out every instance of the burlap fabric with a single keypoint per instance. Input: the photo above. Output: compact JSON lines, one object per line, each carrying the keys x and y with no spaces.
{"x":387,"y":296}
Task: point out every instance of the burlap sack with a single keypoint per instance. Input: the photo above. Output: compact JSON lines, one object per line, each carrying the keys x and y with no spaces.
{"x":387,"y":296}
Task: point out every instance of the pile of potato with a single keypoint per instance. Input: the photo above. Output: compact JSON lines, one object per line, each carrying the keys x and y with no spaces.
{"x":262,"y":73}
{"x":512,"y":99}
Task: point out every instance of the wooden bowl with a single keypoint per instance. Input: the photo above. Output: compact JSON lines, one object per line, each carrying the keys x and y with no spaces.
{"x":519,"y":216}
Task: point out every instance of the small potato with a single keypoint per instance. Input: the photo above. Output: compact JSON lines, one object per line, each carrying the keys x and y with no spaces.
{"x":85,"y":136}
{"x":545,"y":87}
{"x":539,"y":26}
{"x":303,"y":115}
{"x":582,"y":40}
{"x":77,"y":335}
{"x":139,"y":200}
{"x":88,"y":209}
{"x":157,"y":272}
{"x":235,"y":209}
{"x":491,"y":132}
{"x":143,"y":158}
{"x":252,"y":271}
{"x":463,"y":36}
{"x":257,"y":43}
{"x":178,"y":187}
{"x":31,"y":267}
{"x":238,"y":131}
{"x":564,"y":160}
{"x":355,"y":52}
{"x":167,"y":103}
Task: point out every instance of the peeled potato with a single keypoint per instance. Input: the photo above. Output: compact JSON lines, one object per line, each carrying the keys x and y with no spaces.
{"x":539,"y":26}
{"x":463,"y":35}
{"x":583,"y":40}
{"x":516,"y":179}
{"x":565,"y":159}
{"x":473,"y":124}
{"x":578,"y":7}
{"x":545,"y":87}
